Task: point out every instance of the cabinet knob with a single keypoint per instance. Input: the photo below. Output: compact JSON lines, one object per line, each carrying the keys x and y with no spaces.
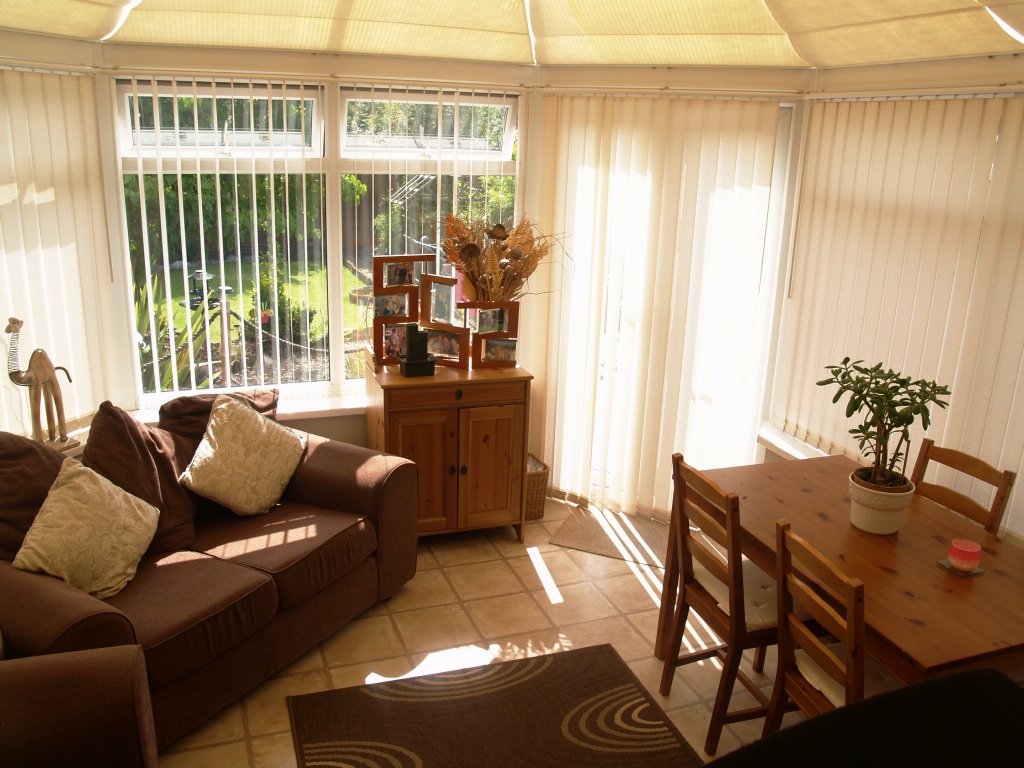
{"x":451,"y":470}
{"x":458,"y":394}
{"x":463,"y":470}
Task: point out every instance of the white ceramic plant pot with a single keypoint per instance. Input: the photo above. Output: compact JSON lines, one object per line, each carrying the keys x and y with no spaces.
{"x":877,"y":510}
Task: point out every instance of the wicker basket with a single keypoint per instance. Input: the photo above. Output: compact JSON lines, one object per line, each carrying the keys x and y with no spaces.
{"x":536,"y":487}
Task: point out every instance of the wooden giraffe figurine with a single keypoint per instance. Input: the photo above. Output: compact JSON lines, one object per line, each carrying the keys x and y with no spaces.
{"x":41,"y":378}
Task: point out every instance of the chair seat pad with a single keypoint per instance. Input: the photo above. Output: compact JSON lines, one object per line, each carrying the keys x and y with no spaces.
{"x":876,"y":679}
{"x":302,"y":548}
{"x":187,"y":608}
{"x":760,"y":602}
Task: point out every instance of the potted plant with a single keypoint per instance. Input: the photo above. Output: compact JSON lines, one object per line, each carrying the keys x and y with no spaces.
{"x":880,"y":493}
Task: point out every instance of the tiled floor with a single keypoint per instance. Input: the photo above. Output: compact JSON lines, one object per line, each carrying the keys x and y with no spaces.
{"x":477,"y":598}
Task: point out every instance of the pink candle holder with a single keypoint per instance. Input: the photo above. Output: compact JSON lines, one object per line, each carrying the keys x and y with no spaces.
{"x":964,"y":554}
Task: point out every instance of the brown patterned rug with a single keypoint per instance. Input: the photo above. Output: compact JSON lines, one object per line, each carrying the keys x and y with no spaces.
{"x":582,"y":707}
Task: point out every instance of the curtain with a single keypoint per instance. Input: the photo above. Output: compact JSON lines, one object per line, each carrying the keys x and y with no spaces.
{"x":658,"y":312}
{"x":909,"y":252}
{"x":53,"y":241}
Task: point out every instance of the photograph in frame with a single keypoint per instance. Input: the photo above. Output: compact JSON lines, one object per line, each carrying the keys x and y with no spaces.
{"x":443,"y":344}
{"x":391,"y":305}
{"x":442,"y":301}
{"x":399,"y":273}
{"x":395,"y":340}
{"x":498,"y":350}
{"x":492,"y":321}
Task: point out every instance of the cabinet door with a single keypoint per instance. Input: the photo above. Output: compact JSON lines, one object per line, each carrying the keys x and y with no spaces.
{"x":491,"y":465}
{"x":429,"y":438}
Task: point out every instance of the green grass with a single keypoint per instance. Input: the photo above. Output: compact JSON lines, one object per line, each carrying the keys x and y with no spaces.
{"x":242,"y":298}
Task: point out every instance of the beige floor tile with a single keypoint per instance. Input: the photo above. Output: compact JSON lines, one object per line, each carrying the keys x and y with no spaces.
{"x":748,"y":730}
{"x":615,"y":630}
{"x":425,"y":559}
{"x":540,"y":642}
{"x":377,"y":609}
{"x":427,"y":589}
{"x":555,"y":510}
{"x":704,"y":677}
{"x":580,"y":602}
{"x":277,"y":751}
{"x":558,"y":563}
{"x":431,"y":629}
{"x":631,"y":593}
{"x":649,"y":670}
{"x":233,"y":755}
{"x":363,"y":640}
{"x":646,"y":623}
{"x":265,"y":708}
{"x":463,"y":657}
{"x":310,"y":660}
{"x":479,"y":580}
{"x":598,"y":566}
{"x":461,"y":548}
{"x":506,"y":615}
{"x":356,"y":674}
{"x":507,"y":541}
{"x":767,"y":677}
{"x":693,"y":723}
{"x":226,"y":725}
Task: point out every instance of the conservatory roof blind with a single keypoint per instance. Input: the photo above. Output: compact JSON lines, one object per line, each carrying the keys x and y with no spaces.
{"x":769,"y":33}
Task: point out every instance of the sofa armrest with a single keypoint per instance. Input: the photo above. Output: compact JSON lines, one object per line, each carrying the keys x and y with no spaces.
{"x":380,"y":487}
{"x":40,"y":614}
{"x":86,"y":708}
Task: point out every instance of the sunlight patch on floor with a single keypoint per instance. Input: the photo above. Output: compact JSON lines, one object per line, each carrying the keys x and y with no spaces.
{"x":544,"y":574}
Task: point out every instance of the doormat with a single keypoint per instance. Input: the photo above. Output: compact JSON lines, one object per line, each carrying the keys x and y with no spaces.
{"x":626,"y":537}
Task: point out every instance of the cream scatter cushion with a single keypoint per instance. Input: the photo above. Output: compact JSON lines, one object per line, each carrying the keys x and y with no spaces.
{"x":245,"y":460}
{"x":88,"y":532}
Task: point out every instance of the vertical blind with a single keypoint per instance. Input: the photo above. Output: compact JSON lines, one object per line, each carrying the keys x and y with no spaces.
{"x":909,"y":252}
{"x":53,"y":242}
{"x":659,"y":323}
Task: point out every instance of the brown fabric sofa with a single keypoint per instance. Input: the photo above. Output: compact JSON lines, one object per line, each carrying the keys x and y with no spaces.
{"x":220,"y":602}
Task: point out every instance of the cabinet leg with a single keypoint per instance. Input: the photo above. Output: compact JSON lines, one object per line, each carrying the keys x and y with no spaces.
{"x":521,"y":532}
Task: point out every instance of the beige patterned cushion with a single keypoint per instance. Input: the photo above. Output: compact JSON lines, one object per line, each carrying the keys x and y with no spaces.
{"x":245,"y":460}
{"x":88,"y":532}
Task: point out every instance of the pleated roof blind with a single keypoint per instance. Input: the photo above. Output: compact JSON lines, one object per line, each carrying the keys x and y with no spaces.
{"x":768,"y":33}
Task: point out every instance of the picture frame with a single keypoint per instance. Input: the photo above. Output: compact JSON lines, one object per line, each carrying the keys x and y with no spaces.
{"x":511,"y":325}
{"x":407,"y":309}
{"x":498,"y":350}
{"x":445,"y":344}
{"x":395,"y":337}
{"x":432,"y":286}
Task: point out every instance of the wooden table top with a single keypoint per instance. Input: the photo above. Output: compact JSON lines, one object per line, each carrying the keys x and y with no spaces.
{"x":390,"y":376}
{"x":921,"y":620}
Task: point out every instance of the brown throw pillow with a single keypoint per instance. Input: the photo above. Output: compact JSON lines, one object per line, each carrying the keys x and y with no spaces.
{"x":146,"y":463}
{"x":27,"y":470}
{"x":188,"y":416}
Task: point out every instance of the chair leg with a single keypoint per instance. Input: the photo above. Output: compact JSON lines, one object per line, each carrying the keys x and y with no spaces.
{"x":730,"y":668}
{"x":776,"y":707}
{"x":671,"y":652}
{"x":758,"y":665}
{"x":668,"y":595}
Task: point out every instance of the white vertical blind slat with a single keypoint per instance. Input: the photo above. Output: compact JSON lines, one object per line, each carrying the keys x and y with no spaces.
{"x":918,"y":264}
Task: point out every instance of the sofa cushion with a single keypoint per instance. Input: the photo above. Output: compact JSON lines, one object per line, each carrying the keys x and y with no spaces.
{"x":187,"y":607}
{"x":27,"y":470}
{"x":302,"y":548}
{"x":188,"y":416}
{"x":88,"y":533}
{"x":245,"y":460}
{"x":145,"y":462}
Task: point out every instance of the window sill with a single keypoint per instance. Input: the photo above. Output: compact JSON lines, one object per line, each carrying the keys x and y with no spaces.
{"x":352,"y":403}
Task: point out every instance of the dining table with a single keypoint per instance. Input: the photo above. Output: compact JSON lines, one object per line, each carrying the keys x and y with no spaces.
{"x":921,"y":620}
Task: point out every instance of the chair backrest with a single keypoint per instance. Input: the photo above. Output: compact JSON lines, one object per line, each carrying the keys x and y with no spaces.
{"x":958,"y":502}
{"x":700,"y":503}
{"x":847,"y":626}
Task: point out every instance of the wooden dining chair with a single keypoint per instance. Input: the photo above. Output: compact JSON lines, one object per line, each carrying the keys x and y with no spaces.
{"x":818,"y":676}
{"x":958,"y":502}
{"x":732,"y":595}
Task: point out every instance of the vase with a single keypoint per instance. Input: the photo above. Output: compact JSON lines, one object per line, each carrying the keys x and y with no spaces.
{"x":877,"y":509}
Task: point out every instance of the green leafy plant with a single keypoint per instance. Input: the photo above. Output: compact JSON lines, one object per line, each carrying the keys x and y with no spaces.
{"x":893,"y":402}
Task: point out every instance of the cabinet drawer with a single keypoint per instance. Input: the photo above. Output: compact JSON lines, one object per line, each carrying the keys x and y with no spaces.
{"x":457,"y":395}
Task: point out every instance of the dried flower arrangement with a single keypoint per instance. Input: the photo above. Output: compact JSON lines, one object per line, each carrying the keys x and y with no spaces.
{"x":495,"y":262}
